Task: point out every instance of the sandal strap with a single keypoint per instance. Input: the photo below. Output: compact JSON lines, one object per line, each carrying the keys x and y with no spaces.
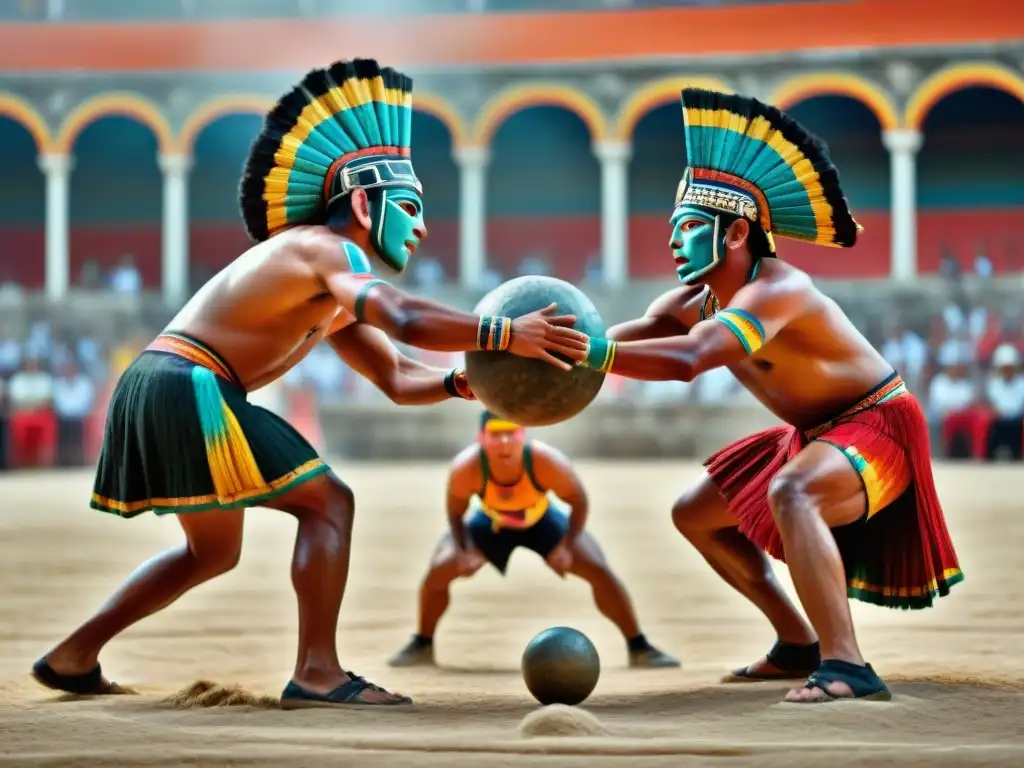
{"x":791,"y":657}
{"x":862,"y":680}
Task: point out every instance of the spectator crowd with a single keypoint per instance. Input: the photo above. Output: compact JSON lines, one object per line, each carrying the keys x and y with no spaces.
{"x":966,"y":368}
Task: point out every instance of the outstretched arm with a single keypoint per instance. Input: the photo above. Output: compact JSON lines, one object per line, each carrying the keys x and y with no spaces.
{"x":554,"y":472}
{"x":663,"y":318}
{"x":405,"y":381}
{"x":757,"y":313}
{"x":429,"y":325}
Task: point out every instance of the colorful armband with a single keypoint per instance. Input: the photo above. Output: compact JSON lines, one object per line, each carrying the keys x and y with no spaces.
{"x":746,"y":327}
{"x":494,"y":334}
{"x":360,"y":309}
{"x":456,"y":384}
{"x":600,"y":355}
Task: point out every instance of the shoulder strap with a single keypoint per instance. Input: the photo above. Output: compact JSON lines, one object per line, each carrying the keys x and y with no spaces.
{"x":485,"y":471}
{"x":528,"y":466}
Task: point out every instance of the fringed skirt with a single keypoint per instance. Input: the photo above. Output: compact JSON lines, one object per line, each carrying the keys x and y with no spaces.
{"x":180,"y":436}
{"x":900,"y":554}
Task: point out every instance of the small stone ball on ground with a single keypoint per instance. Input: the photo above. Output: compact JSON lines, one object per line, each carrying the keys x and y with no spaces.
{"x":561,"y":666}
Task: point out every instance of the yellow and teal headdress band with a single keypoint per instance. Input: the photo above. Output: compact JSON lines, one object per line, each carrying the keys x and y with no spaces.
{"x":345,"y":127}
{"x":751,"y":160}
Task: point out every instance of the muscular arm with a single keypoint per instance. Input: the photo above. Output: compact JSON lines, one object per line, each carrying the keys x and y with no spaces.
{"x":406,"y":318}
{"x":554,"y":473}
{"x":758,"y":312}
{"x":463,"y":481}
{"x":405,"y":381}
{"x":663,"y":318}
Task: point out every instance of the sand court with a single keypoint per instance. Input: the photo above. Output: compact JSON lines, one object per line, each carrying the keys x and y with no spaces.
{"x":208,"y":669}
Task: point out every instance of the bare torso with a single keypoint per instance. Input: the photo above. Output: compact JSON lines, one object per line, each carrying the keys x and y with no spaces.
{"x":818,"y":365}
{"x":266,"y":310}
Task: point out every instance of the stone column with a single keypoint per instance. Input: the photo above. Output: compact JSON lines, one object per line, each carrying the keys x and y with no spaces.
{"x":903,"y":145}
{"x":614,"y":158}
{"x":472,"y":162}
{"x":174,"y":272}
{"x":57,"y":169}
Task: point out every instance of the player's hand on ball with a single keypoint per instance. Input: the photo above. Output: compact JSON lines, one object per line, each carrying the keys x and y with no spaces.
{"x":469,"y":561}
{"x":560,"y":559}
{"x":543,"y":334}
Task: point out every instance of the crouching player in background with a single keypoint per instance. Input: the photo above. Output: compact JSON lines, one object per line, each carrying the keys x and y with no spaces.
{"x":522,"y":488}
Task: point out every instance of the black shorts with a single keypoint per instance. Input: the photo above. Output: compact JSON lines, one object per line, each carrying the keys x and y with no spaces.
{"x":497,"y":546}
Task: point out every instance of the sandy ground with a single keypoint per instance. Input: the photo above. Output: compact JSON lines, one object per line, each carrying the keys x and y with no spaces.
{"x":957,"y":670}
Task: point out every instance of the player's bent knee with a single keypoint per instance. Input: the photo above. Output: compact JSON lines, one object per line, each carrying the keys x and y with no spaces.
{"x":222,"y":562}
{"x":688,"y":513}
{"x":214,"y":558}
{"x":439,"y":577}
{"x":788,"y":497}
{"x":330,"y":498}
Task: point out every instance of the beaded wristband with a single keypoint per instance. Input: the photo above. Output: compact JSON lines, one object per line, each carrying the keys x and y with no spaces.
{"x":360,"y":308}
{"x":493,"y":334}
{"x":600,"y":355}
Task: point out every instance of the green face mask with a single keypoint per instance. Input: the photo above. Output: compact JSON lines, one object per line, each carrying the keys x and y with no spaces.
{"x":393,"y":228}
{"x":698,"y":242}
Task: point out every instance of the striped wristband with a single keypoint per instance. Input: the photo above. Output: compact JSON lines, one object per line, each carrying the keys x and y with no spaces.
{"x":493,"y":334}
{"x":600,"y":355}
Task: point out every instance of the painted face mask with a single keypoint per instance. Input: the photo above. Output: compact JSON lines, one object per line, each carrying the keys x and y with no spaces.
{"x":393,"y":228}
{"x":698,"y":242}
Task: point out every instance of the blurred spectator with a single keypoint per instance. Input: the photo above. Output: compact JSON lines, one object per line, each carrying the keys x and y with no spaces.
{"x":74,"y":397}
{"x":126,"y":278}
{"x":664,"y":392}
{"x":491,"y":279}
{"x":428,"y":272}
{"x":949,"y":265}
{"x":954,"y":404}
{"x":10,"y":354}
{"x":91,"y":277}
{"x":89,"y":352}
{"x":324,"y":372}
{"x":534,"y":264}
{"x":3,"y":424}
{"x":717,"y":387}
{"x":986,"y":332}
{"x":1005,"y":392}
{"x":907,"y":352}
{"x":593,"y":273}
{"x":39,"y":341}
{"x":983,"y":264}
{"x":32,"y":425}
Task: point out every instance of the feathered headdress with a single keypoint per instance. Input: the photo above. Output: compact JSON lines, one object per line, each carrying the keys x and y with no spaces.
{"x":345,"y":127}
{"x":751,"y":159}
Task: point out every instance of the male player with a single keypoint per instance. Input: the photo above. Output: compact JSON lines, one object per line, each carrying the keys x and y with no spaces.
{"x":328,"y":180}
{"x":844,"y":492}
{"x":520,"y":489}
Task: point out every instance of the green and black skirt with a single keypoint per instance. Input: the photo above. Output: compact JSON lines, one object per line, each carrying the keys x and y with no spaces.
{"x":181,"y":437}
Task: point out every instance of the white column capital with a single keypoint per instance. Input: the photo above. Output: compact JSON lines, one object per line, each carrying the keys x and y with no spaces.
{"x":902,"y":140}
{"x":174,"y":165}
{"x":472,"y":157}
{"x":613,"y":151}
{"x":56,"y":164}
